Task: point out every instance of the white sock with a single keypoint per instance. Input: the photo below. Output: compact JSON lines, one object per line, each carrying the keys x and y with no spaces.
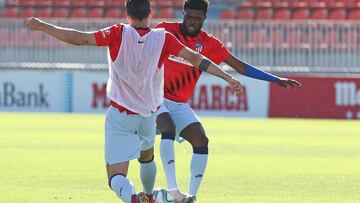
{"x":168,"y":160}
{"x":148,"y":175}
{"x":123,"y":188}
{"x":197,"y":169}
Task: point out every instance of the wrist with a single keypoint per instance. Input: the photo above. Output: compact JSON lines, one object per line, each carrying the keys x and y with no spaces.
{"x":43,"y":26}
{"x":228,"y":78}
{"x":257,"y":73}
{"x":39,"y":26}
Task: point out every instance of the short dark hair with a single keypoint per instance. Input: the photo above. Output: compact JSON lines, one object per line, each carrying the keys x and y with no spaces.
{"x":201,"y":5}
{"x":138,"y":9}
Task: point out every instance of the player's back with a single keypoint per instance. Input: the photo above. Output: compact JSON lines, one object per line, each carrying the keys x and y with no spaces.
{"x":135,"y":80}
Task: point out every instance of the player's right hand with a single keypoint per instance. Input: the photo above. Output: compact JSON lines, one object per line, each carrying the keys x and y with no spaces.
{"x":34,"y":23}
{"x":236,"y":87}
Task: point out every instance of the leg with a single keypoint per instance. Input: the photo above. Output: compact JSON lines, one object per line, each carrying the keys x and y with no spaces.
{"x":147,"y":170}
{"x":188,"y":126}
{"x":122,"y":144}
{"x":118,"y":182}
{"x":195,"y":135}
{"x":167,"y":129}
{"x":147,"y":132}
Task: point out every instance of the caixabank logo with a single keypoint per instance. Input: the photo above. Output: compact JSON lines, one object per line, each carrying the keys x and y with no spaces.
{"x":12,"y":96}
{"x":347,"y":94}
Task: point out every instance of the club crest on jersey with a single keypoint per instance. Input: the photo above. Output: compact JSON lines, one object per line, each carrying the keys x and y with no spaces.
{"x":198,"y":47}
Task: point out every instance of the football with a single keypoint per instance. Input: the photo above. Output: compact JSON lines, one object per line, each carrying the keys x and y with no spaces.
{"x":162,"y":196}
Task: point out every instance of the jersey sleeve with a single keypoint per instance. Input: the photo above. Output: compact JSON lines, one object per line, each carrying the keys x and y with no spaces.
{"x":219,"y":52}
{"x":107,"y":36}
{"x":173,"y":46}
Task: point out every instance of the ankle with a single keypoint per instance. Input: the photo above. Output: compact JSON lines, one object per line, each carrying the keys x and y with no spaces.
{"x":142,"y":198}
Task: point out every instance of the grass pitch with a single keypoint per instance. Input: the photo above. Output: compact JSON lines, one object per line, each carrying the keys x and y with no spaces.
{"x":46,"y":158}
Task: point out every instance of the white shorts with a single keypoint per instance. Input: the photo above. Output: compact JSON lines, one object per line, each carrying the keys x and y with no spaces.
{"x":127,"y":135}
{"x":181,"y":113}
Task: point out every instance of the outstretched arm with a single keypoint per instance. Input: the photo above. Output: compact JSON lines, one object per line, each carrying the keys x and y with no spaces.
{"x":71,"y":36}
{"x":208,"y":66}
{"x":253,"y":72}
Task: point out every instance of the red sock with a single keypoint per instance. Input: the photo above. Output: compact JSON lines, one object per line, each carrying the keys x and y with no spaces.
{"x":134,"y":199}
{"x":151,"y":198}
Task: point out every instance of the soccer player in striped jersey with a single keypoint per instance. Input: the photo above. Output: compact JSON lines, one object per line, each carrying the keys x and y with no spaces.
{"x":176,"y":119}
{"x":135,"y":88}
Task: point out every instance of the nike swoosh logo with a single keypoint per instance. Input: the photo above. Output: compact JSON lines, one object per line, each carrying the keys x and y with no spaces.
{"x":140,"y":42}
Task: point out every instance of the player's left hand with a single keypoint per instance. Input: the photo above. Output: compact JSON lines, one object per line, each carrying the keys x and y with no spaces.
{"x":34,"y":24}
{"x":286,"y":83}
{"x":236,"y":86}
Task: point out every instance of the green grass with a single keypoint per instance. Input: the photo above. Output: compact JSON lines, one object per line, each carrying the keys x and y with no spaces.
{"x":47,"y":158}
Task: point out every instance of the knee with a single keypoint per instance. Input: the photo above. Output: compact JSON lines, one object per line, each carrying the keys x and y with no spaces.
{"x":165,"y":124}
{"x":168,"y":127}
{"x":204,"y":141}
{"x":146,"y":159}
{"x":200,"y":141}
{"x":146,"y":156}
{"x":201,"y":145}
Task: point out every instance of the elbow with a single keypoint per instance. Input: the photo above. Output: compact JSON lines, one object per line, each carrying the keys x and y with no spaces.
{"x":75,"y":42}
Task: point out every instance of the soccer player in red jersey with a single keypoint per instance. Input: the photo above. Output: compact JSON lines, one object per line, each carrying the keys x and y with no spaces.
{"x":135,"y":88}
{"x":176,"y":119}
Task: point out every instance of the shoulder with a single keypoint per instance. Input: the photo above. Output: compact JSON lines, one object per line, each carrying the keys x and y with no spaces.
{"x":211,"y":40}
{"x":167,"y":25}
{"x":209,"y":37}
{"x":159,"y":31}
{"x":108,"y":35}
{"x":117,"y":27}
{"x":171,"y":27}
{"x":169,"y":36}
{"x":112,"y":30}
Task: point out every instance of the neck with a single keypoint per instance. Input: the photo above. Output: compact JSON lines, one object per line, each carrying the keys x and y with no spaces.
{"x":145,"y":23}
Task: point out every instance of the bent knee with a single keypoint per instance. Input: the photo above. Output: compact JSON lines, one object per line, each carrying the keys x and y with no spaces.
{"x":167,"y":127}
{"x":165,"y":124}
{"x":200,"y":141}
{"x":146,"y":159}
{"x":146,"y":156}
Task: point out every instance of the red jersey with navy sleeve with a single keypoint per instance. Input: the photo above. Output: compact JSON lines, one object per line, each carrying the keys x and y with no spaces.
{"x":180,"y":75}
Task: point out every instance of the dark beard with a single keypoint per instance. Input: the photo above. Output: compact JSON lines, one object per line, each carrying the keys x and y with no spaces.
{"x":186,"y":33}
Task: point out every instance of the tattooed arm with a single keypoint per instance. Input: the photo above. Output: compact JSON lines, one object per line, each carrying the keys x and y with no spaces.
{"x":67,"y":35}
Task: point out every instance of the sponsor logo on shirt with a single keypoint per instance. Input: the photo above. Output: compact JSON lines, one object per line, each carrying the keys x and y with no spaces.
{"x":180,"y":60}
